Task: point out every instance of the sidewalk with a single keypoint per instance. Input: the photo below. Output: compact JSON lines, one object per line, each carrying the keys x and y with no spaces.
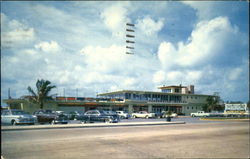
{"x":92,"y":125}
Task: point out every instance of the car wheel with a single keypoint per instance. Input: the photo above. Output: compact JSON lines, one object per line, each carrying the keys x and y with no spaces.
{"x":193,"y":115}
{"x":133,"y":116}
{"x":13,"y":122}
{"x":146,"y":117}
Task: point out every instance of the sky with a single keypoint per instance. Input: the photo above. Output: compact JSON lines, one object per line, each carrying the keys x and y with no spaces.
{"x":80,"y":46}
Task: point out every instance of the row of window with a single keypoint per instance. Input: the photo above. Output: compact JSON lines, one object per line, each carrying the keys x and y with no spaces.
{"x":192,"y":97}
{"x":191,"y":107}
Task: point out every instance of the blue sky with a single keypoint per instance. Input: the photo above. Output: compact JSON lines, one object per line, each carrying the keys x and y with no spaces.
{"x":81,"y":45}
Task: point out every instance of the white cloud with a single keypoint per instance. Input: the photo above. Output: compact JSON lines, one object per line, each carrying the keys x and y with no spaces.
{"x":106,"y":60}
{"x":115,"y":17}
{"x":167,"y":55}
{"x":204,"y":9}
{"x":207,"y":40}
{"x":174,"y":76}
{"x":103,"y":65}
{"x":148,"y":26}
{"x":15,"y":33}
{"x":159,"y":77}
{"x":52,"y":46}
{"x":235,"y":73}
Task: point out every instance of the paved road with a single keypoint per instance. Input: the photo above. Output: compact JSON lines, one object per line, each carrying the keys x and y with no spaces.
{"x":192,"y":140}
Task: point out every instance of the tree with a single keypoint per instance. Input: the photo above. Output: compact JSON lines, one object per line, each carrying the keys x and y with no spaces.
{"x":43,"y":88}
{"x":212,"y":104}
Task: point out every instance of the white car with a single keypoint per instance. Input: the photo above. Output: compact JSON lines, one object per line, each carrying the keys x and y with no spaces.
{"x":173,"y":115}
{"x":200,"y":114}
{"x":143,"y":114}
{"x":122,"y":114}
{"x":15,"y":116}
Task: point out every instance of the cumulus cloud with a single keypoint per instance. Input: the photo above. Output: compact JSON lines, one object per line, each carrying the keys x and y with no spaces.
{"x":148,"y":26}
{"x":201,"y":46}
{"x":52,"y":46}
{"x":102,"y":65}
{"x":106,"y":60}
{"x":159,"y":77}
{"x":14,"y":33}
{"x":115,"y":17}
{"x":204,"y":10}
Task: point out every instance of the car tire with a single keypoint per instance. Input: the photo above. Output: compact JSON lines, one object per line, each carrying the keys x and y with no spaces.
{"x":146,"y":116}
{"x":13,"y":122}
{"x":193,"y":115}
{"x":133,"y":116}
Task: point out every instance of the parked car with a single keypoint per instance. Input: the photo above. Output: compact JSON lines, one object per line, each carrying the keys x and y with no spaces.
{"x":52,"y":117}
{"x":122,"y":114}
{"x":158,"y":114}
{"x":73,"y":115}
{"x":200,"y":114}
{"x":98,"y":116}
{"x":15,"y":116}
{"x":173,"y":115}
{"x":143,"y":114}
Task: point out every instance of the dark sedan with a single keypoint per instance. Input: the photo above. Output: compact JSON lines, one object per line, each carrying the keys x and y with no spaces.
{"x":49,"y":116}
{"x":97,"y":116}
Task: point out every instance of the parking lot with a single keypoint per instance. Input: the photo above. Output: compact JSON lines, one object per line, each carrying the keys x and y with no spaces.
{"x":186,"y":119}
{"x":195,"y":139}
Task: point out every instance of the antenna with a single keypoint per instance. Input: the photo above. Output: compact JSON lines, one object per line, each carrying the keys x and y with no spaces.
{"x":130,"y":38}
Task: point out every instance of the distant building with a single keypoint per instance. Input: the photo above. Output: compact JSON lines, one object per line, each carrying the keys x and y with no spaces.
{"x":179,"y":99}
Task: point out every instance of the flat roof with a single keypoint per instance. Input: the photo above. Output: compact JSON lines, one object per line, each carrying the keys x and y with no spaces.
{"x":149,"y":92}
{"x":163,"y":87}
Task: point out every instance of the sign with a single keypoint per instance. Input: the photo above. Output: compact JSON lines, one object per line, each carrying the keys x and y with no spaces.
{"x":235,"y":107}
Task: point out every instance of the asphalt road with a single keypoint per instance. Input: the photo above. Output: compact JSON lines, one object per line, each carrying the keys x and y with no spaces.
{"x":191,"y":140}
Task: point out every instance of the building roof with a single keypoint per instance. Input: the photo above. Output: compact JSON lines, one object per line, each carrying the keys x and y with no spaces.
{"x":164,"y":87}
{"x":148,"y":92}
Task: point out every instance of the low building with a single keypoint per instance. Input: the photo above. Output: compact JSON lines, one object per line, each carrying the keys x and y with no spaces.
{"x":178,"y":99}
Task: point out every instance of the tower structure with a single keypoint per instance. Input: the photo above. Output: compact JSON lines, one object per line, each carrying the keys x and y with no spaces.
{"x":130,"y":42}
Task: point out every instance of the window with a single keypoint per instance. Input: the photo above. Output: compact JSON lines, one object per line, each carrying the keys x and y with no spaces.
{"x":166,"y":90}
{"x":177,"y":90}
{"x":192,"y":107}
{"x":187,"y":107}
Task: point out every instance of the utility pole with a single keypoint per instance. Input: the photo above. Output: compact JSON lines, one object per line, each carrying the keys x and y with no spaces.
{"x":76,"y":92}
{"x":9,"y":93}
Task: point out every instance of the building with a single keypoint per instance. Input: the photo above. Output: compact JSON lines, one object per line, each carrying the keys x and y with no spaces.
{"x":179,"y":99}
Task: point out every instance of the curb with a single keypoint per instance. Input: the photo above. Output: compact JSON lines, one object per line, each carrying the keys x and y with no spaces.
{"x":14,"y":128}
{"x":224,"y":119}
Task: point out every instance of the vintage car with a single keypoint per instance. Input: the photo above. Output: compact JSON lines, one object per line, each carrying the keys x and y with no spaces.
{"x":122,"y":114}
{"x":92,"y":116}
{"x":15,"y":116}
{"x":73,"y":115}
{"x":52,"y":117}
{"x":172,"y":115}
{"x":143,"y":114}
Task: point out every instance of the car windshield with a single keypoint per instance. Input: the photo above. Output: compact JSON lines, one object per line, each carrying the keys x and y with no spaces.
{"x":18,"y":112}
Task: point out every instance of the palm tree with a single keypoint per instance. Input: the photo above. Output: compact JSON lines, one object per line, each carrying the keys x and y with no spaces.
{"x":42,"y":93}
{"x":212,"y":104}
